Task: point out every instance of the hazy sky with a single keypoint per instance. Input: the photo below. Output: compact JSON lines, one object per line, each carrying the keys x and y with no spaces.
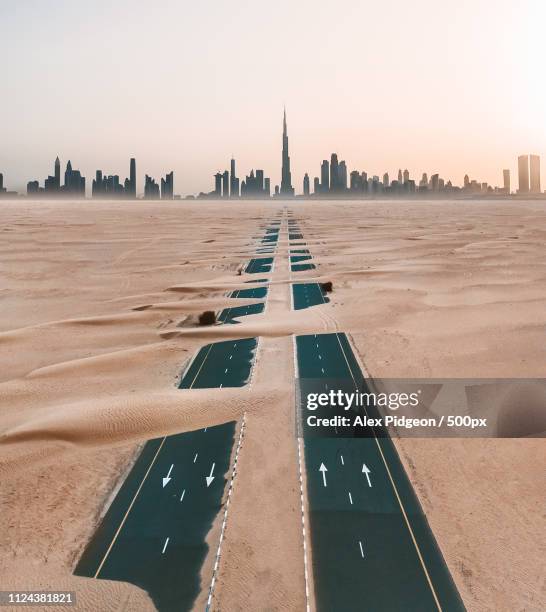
{"x":449,"y":86}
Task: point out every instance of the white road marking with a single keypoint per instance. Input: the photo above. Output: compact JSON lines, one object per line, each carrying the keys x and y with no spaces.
{"x":361,"y":549}
{"x":342,"y":462}
{"x":167,"y":478}
{"x":195,"y":458}
{"x":225,"y":371}
{"x":183,"y":493}
{"x":366,"y":471}
{"x":350,"y":498}
{"x":165,"y":546}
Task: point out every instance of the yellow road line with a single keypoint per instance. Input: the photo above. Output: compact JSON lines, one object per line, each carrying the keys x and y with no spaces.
{"x":142,"y":483}
{"x":395,"y":491}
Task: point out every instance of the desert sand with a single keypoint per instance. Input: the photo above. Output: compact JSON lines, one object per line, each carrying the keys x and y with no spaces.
{"x":99,"y":303}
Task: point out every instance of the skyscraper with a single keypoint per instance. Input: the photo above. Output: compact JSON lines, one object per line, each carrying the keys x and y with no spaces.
{"x":225,"y":184}
{"x":57,"y":177}
{"x":234,"y":181}
{"x":342,"y":175}
{"x":167,"y":186}
{"x":286,"y":176}
{"x":131,"y":191}
{"x":52,"y":184}
{"x":324,"y":176}
{"x":523,"y":174}
{"x":306,"y":185}
{"x":1,"y":183}
{"x":506,"y":181}
{"x":334,"y":172}
{"x":534,"y":167}
{"x":218,"y":184}
{"x":74,"y":182}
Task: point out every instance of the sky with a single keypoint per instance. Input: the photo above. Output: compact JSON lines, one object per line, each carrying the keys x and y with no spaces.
{"x":449,"y":86}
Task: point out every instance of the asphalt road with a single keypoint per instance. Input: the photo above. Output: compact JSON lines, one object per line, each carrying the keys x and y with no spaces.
{"x":154,"y":532}
{"x":372,"y":547}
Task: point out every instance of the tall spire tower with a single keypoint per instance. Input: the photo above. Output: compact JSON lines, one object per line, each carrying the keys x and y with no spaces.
{"x":286,"y":176}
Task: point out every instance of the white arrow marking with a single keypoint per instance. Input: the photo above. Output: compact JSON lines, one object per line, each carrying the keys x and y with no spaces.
{"x":167,"y":478}
{"x":210,"y":477}
{"x":323,"y":469}
{"x":361,"y":549}
{"x":165,"y":546}
{"x":183,"y":493}
{"x":366,"y":471}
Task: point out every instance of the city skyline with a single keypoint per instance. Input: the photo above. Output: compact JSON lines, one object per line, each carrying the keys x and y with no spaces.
{"x":334,"y":179}
{"x":443,"y":88}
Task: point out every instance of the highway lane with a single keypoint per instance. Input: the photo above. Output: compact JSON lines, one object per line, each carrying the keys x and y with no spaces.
{"x":261,"y":265}
{"x":154,"y":532}
{"x":372,"y":547}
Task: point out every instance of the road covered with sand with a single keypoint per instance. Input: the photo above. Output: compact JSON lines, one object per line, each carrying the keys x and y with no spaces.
{"x":99,"y":306}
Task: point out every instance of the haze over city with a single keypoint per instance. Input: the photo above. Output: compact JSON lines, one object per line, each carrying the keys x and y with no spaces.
{"x":452,"y":88}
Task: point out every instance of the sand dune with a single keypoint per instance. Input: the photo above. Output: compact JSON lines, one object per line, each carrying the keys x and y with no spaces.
{"x":99,"y":304}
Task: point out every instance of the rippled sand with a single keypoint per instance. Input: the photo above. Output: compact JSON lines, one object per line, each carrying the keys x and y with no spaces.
{"x":99,"y":302}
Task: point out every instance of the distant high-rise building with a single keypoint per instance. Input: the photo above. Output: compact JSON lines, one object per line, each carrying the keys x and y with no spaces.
{"x":151,"y":188}
{"x":131,"y":187}
{"x":316,"y":185}
{"x":334,"y":173}
{"x":386,"y":179}
{"x":506,"y":180}
{"x":523,"y":174}
{"x":259,"y":180}
{"x":534,"y":167}
{"x":364,"y":180}
{"x":52,"y":184}
{"x":342,"y":176}
{"x":406,"y":176}
{"x":286,"y":176}
{"x":57,"y":173}
{"x":33,"y":188}
{"x":2,"y":188}
{"x":74,"y":182}
{"x":167,"y":186}
{"x":234,"y":181}
{"x":400,"y":179}
{"x":218,"y":184}
{"x":466,"y":181}
{"x":267,"y":187}
{"x":225,"y":184}
{"x":435,"y":182}
{"x":355,"y":181}
{"x":306,"y":185}
{"x":324,"y":176}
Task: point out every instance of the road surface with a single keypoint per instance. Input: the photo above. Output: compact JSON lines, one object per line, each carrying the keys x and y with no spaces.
{"x":372,"y":547}
{"x":154,"y":533}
